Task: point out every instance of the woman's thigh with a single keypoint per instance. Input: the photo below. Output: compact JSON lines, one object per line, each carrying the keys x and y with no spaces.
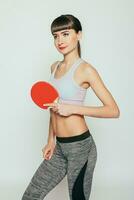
{"x":47,"y":176}
{"x":81,"y":163}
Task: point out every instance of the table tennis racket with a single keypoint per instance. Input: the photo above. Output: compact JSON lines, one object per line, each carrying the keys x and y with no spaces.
{"x":42,"y":93}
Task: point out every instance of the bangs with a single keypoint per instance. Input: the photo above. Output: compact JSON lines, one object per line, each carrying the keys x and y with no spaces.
{"x":61,"y":23}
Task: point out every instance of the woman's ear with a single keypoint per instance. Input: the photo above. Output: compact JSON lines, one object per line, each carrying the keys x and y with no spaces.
{"x":79,"y":35}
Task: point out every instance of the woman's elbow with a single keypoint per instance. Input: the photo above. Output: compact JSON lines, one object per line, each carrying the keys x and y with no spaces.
{"x":116,"y":112}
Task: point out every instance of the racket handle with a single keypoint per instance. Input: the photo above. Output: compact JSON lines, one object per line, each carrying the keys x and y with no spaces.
{"x":56,"y":100}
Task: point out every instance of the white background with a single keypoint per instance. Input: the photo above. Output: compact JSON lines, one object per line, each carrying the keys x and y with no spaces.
{"x":27,"y":51}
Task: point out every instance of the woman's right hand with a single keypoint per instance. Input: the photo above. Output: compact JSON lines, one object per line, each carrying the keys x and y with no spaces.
{"x":48,"y":150}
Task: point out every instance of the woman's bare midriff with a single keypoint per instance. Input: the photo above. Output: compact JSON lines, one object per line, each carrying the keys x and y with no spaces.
{"x":65,"y":126}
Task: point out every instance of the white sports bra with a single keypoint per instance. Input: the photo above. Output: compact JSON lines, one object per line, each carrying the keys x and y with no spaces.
{"x":69,"y":90}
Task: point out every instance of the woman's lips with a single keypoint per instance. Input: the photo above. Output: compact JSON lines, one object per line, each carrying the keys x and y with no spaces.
{"x":62,"y":48}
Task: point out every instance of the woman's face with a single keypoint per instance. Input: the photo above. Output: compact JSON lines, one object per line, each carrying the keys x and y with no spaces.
{"x":66,"y":40}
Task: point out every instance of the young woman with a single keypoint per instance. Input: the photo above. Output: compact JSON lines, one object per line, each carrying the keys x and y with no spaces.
{"x":70,"y":149}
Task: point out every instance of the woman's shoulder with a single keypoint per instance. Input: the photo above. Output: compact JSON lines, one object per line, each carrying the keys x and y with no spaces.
{"x":86,"y":66}
{"x":88,"y":70}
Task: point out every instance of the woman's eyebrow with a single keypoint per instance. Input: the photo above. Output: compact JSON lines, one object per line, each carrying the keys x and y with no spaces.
{"x":54,"y":33}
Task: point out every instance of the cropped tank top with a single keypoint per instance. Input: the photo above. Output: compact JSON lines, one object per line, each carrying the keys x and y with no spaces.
{"x":69,"y":91}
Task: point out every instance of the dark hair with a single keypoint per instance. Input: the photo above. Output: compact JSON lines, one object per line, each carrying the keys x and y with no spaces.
{"x":67,"y":22}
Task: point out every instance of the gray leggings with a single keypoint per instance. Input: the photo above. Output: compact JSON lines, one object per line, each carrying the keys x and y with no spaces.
{"x":75,"y":156}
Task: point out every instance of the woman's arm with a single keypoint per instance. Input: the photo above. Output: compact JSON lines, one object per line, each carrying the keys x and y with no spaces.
{"x":51,"y":135}
{"x":96,"y":111}
{"x":109,"y":108}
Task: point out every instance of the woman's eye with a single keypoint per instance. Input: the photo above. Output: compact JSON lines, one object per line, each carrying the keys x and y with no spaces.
{"x":65,"y":34}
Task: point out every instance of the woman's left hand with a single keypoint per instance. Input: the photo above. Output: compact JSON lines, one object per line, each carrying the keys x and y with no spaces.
{"x":61,"y":109}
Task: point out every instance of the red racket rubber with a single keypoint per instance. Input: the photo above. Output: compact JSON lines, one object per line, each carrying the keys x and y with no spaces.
{"x":43,"y":92}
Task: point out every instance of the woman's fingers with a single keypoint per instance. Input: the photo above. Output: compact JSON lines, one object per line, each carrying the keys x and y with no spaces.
{"x":55,"y":109}
{"x":52,"y":105}
{"x":47,"y":153}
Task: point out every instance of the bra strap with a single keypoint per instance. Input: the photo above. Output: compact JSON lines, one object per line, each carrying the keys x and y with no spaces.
{"x":55,"y":68}
{"x":77,"y":63}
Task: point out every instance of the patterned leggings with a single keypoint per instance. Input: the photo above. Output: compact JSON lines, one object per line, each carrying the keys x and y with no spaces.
{"x":74,"y":156}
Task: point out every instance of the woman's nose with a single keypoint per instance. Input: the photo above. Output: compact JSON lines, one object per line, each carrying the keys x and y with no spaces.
{"x":60,"y":41}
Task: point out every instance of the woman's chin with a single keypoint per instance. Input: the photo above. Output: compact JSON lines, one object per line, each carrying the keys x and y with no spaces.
{"x":65,"y":52}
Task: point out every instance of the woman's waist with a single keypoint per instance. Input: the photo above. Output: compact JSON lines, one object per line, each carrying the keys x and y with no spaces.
{"x":75,"y":137}
{"x":71,"y":125}
{"x":70,"y":132}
